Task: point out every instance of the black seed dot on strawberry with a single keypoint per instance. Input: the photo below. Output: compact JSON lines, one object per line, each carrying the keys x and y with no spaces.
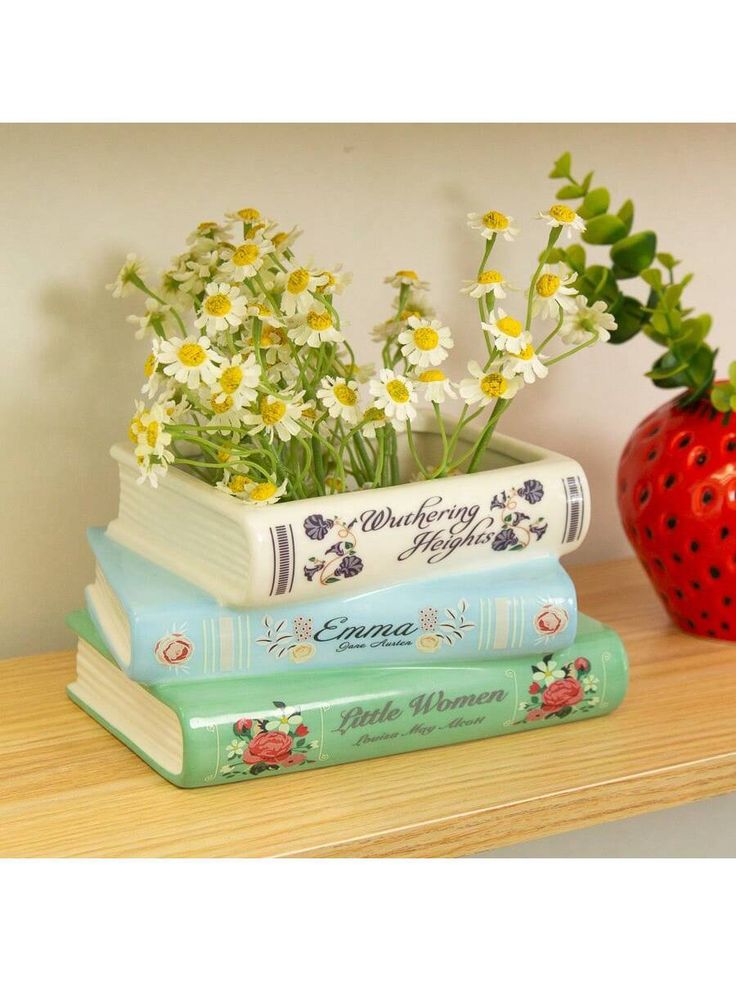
{"x":695,"y":584}
{"x":701,"y":458}
{"x":731,"y":445}
{"x":691,"y":624}
{"x":652,"y":455}
{"x":671,"y":522}
{"x":653,"y":432}
{"x":648,"y":533}
{"x":644,"y":496}
{"x":724,"y":533}
{"x":684,"y":441}
{"x":715,"y":572}
{"x":659,"y":564}
{"x":727,"y":600}
{"x":724,"y":625}
{"x":707,"y":496}
{"x":694,"y":546}
{"x":676,"y":558}
{"x":679,"y":593}
{"x":704,"y":615}
{"x":669,"y":480}
{"x":711,"y":633}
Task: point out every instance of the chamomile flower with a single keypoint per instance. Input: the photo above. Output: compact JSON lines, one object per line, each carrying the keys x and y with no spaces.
{"x":276,"y":416}
{"x":205,"y":235}
{"x":583,"y":322}
{"x":189,"y":360}
{"x":237,"y":484}
{"x":360,"y":372}
{"x":245,"y":261}
{"x":386,"y":331}
{"x":265,"y":492}
{"x":394,"y":394}
{"x":283,"y":241}
{"x":525,"y":363}
{"x":237,"y":379}
{"x":493,"y":223}
{"x":340,"y":398}
{"x":315,"y":327}
{"x":153,"y":439}
{"x":559,"y":215}
{"x":193,"y":273}
{"x":373,"y":419}
{"x":125,"y":280}
{"x":298,"y":284}
{"x":151,"y":468}
{"x":223,"y":307}
{"x":434,"y":384}
{"x":553,"y":291}
{"x":336,"y":281}
{"x":259,"y":309}
{"x":406,"y":277}
{"x":153,"y":320}
{"x":508,"y":333}
{"x":224,"y":413}
{"x":489,"y":281}
{"x":248,"y":216}
{"x":154,"y":374}
{"x":487,"y":386}
{"x":425,"y":342}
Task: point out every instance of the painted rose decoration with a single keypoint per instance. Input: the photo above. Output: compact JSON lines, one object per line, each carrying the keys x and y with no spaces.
{"x":269,"y":744}
{"x":550,"y":620}
{"x":557,"y":690}
{"x":174,"y":649}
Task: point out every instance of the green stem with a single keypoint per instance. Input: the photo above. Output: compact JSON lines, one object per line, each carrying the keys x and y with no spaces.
{"x":553,"y":236}
{"x":553,"y":332}
{"x":413,"y":450}
{"x":569,"y":354}
{"x":498,"y":410}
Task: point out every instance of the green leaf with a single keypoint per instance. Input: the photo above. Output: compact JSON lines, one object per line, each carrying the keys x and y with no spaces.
{"x":604,"y":230}
{"x":732,"y":373}
{"x":666,"y":367}
{"x":653,"y":278}
{"x":598,"y":284}
{"x":630,"y":317}
{"x":587,"y":180}
{"x":570,"y":191}
{"x":596,"y":203}
{"x":575,"y":259}
{"x":556,"y":255}
{"x":672,"y":295}
{"x":721,"y":397}
{"x":635,"y":252}
{"x":667,"y":260}
{"x":626,"y":214}
{"x":562,"y":167}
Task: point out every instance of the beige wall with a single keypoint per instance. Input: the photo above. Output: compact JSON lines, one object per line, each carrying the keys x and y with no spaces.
{"x":75,"y":199}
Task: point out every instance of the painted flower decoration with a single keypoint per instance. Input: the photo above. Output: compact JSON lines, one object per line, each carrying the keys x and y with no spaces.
{"x":532,"y":491}
{"x":285,"y":720}
{"x":317,"y":527}
{"x":350,"y":566}
{"x":506,"y":538}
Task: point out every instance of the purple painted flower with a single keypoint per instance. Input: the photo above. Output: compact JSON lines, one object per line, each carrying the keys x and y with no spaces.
{"x":538,"y":529}
{"x":310,"y":571}
{"x":504,"y":539}
{"x":316,"y":526}
{"x":499,"y":501}
{"x":532,"y":491}
{"x":350,"y":566}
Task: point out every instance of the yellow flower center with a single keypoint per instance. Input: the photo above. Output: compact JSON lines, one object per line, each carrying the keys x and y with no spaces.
{"x":272,"y":336}
{"x":192,"y":355}
{"x":319,"y":321}
{"x":206,"y":226}
{"x":217,"y":305}
{"x":238,"y":483}
{"x":262,"y":492}
{"x":272,"y":412}
{"x":298,"y":281}
{"x":373,"y":415}
{"x":150,"y":365}
{"x":405,"y":314}
{"x":221,"y":407}
{"x":246,"y":254}
{"x":345,"y":395}
{"x":224,"y":454}
{"x":152,"y":431}
{"x":493,"y":385}
{"x":509,"y":326}
{"x":426,"y":338}
{"x":255,"y":229}
{"x":495,"y":220}
{"x":249,"y":214}
{"x":490,"y":276}
{"x":547,"y":285}
{"x":231,"y":378}
{"x":561,"y":212}
{"x":397,"y":391}
{"x":334,"y":483}
{"x":328,"y":283}
{"x":406,"y":274}
{"x":526,"y":354}
{"x":432,"y":375}
{"x":309,"y":414}
{"x":279,"y":238}
{"x":134,"y":428}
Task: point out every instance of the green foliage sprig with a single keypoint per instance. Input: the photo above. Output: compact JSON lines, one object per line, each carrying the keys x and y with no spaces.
{"x":687,"y":361}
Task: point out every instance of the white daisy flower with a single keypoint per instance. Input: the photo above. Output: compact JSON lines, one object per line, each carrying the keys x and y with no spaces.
{"x":245,"y":261}
{"x":526,"y":363}
{"x":248,"y":216}
{"x":425,"y":342}
{"x":493,"y":223}
{"x":151,"y":468}
{"x":154,"y":319}
{"x":508,"y":333}
{"x":553,"y":291}
{"x":582,"y":322}
{"x":547,"y":672}
{"x":237,"y":484}
{"x":276,"y":416}
{"x":189,"y":360}
{"x":153,"y":439}
{"x":561,"y":215}
{"x":193,"y":274}
{"x":298,"y":283}
{"x":314,"y":328}
{"x":489,"y":281}
{"x":486,"y":387}
{"x":203,"y":237}
{"x":223,"y":307}
{"x":287,"y":718}
{"x":340,"y":398}
{"x":435,"y":385}
{"x":124,"y":281}
{"x":237,"y":380}
{"x":259,"y":309}
{"x":266,"y":492}
{"x":406,"y":277}
{"x":155,"y":378}
{"x":283,"y":241}
{"x":336,"y":281}
{"x":373,"y":419}
{"x":395,"y":395}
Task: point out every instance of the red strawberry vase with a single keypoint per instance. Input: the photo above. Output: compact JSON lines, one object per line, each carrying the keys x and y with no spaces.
{"x":677,"y":499}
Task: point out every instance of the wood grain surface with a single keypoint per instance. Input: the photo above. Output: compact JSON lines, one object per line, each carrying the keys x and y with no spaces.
{"x":68,"y":788}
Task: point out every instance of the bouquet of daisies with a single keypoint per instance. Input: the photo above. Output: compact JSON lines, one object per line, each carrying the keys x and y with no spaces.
{"x":252,"y":385}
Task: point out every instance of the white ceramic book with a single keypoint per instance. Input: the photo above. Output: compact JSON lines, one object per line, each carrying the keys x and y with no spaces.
{"x":528,"y":503}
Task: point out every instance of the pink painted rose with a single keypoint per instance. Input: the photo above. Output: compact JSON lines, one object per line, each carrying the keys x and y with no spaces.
{"x":173,"y":649}
{"x":533,"y":688}
{"x":565,"y":691}
{"x":535,"y":715}
{"x":551,"y":620}
{"x":242,"y":725}
{"x":302,"y":730}
{"x":582,"y":664}
{"x":272,"y":748}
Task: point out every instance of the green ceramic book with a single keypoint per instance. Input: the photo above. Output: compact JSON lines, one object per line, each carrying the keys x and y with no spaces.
{"x":200,"y":733}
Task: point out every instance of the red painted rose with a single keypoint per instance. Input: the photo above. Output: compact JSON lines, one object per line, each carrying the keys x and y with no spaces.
{"x":173,"y":649}
{"x":566,"y":691}
{"x":271,"y":748}
{"x":535,"y":715}
{"x":582,"y":664}
{"x":533,"y":688}
{"x":242,"y":725}
{"x":551,"y":620}
{"x":302,"y":730}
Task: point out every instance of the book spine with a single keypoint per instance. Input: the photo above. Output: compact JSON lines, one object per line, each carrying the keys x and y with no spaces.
{"x":446,"y":619}
{"x":378,"y":716}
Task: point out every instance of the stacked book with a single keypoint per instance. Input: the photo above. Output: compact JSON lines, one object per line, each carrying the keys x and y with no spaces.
{"x":223,"y":643}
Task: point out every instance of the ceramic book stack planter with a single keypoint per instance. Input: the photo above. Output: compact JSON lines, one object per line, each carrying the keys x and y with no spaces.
{"x":225,"y":643}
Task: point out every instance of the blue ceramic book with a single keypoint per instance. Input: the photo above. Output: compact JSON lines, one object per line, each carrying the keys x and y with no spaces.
{"x":161,"y":628}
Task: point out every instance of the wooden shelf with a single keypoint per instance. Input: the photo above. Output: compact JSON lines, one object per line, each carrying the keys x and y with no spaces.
{"x":68,"y":788}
